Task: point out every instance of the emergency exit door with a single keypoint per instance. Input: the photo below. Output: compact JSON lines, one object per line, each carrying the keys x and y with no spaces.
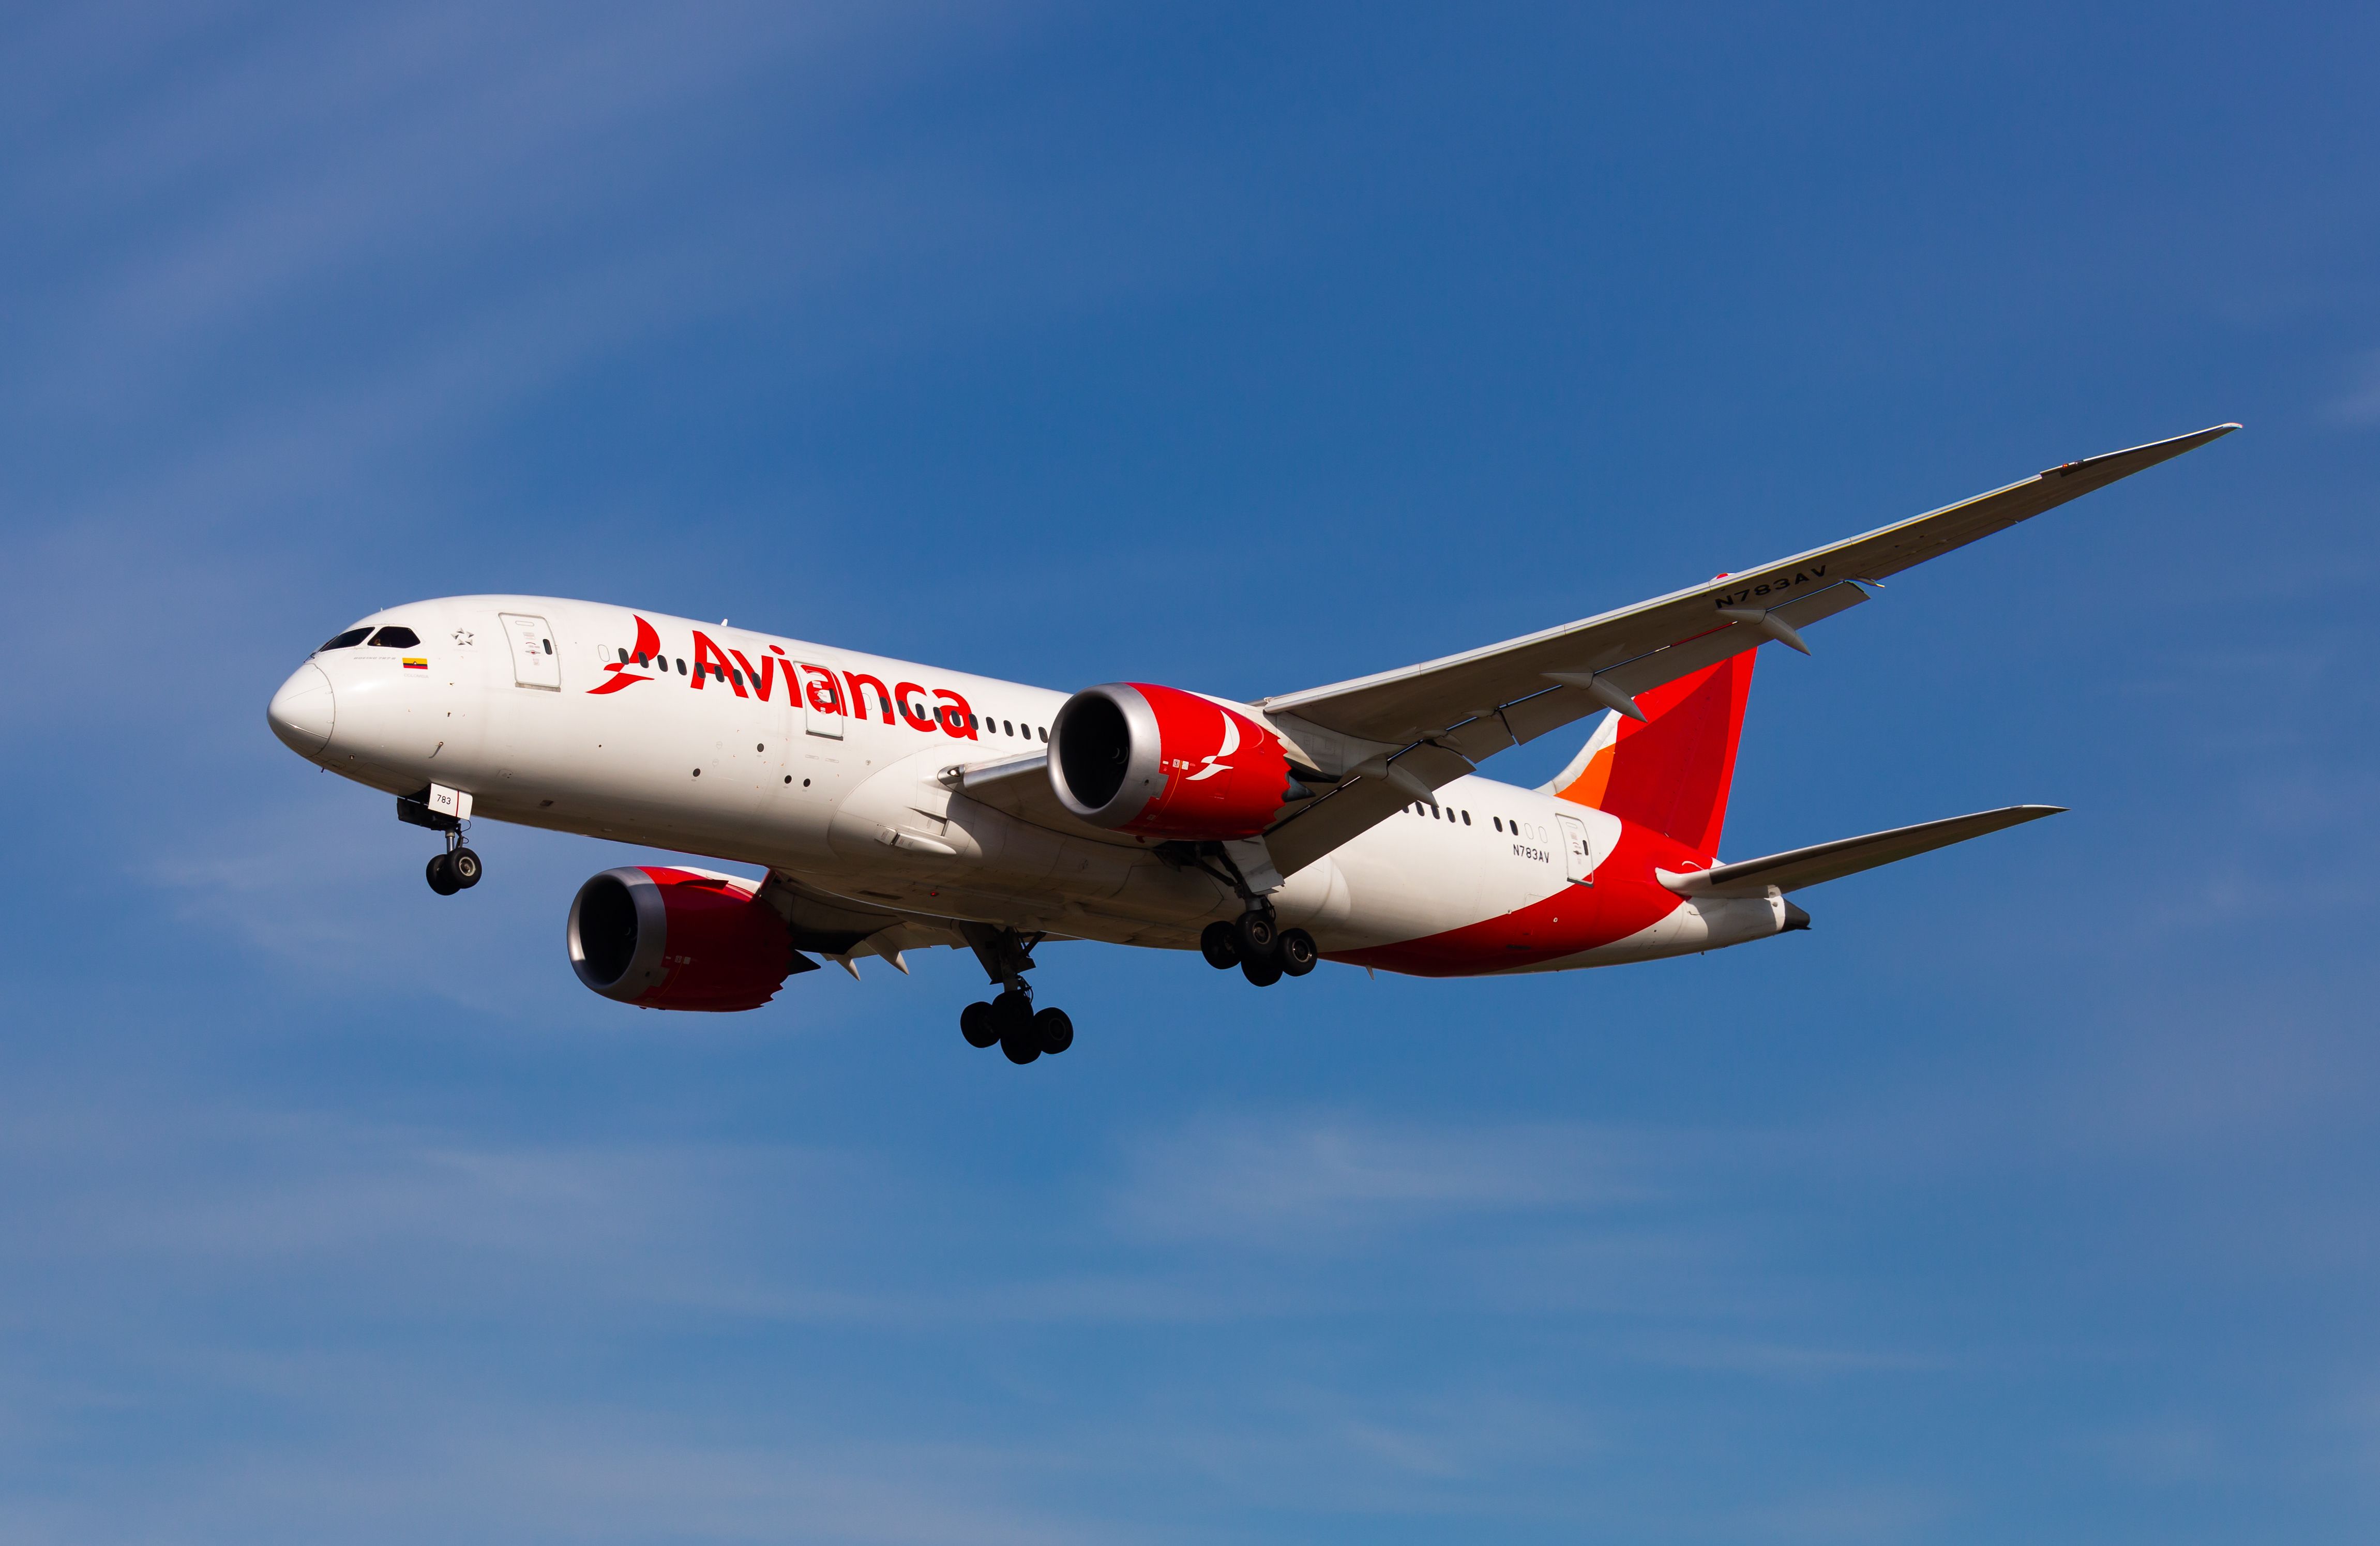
{"x":534,"y":662}
{"x":822,"y":703}
{"x":1575,"y":859}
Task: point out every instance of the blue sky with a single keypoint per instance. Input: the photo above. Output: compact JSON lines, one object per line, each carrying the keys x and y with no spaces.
{"x":2031,"y":1195}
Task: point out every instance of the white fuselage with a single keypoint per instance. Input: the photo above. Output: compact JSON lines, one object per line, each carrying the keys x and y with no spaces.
{"x":524,"y":704}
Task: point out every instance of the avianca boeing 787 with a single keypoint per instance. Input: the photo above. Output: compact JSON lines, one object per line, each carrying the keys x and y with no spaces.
{"x":896,"y":805}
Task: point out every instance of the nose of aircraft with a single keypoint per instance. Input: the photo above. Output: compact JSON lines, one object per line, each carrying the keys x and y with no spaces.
{"x":301,"y":712}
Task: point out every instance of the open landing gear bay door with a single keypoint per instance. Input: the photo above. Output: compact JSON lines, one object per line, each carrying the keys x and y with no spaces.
{"x":1393,"y":737}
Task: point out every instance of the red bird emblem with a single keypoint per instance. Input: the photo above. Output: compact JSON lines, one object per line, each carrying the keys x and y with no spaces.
{"x":623,"y":672}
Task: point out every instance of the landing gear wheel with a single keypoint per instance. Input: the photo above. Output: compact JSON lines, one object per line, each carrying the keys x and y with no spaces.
{"x":464,"y":865}
{"x":1012,"y":1017}
{"x":1263,"y":970}
{"x":441,"y":875}
{"x":1053,"y":1030}
{"x":1297,"y":953}
{"x":1220,"y":943}
{"x":978,"y":1025}
{"x":1258,"y":934}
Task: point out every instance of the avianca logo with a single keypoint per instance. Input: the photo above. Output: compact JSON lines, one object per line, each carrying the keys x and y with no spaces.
{"x":649,"y":646}
{"x":818,"y":686}
{"x":1214,"y":763}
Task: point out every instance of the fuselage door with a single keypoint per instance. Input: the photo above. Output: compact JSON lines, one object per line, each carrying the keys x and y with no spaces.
{"x":534,"y":662}
{"x":1575,"y":860}
{"x":822,"y":703}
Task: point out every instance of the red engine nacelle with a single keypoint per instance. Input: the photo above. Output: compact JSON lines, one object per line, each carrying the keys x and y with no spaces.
{"x":678,"y":939}
{"x":1161,"y":762}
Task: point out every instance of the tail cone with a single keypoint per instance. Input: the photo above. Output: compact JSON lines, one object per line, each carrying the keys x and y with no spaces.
{"x":1794,"y":919}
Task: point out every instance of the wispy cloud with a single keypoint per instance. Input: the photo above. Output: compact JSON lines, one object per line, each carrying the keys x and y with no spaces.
{"x":450,"y":1462}
{"x":1315,"y":1181}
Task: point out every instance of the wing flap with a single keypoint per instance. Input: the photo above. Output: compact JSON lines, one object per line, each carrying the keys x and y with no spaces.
{"x":1799,"y":867}
{"x":1341,"y":814}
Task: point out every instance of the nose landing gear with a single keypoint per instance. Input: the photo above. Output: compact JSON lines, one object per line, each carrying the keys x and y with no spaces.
{"x":458,"y":868}
{"x":1010,"y":1021}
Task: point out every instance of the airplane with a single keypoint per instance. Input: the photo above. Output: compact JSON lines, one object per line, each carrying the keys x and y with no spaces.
{"x":896,"y":807}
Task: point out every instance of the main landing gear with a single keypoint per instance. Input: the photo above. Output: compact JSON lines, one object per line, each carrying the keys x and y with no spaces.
{"x":1010,"y":1021}
{"x":1264,"y":952}
{"x":1257,"y":944}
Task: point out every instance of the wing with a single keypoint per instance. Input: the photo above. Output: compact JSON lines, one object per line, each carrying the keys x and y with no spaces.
{"x":1391,"y":738}
{"x":1809,"y":867}
{"x":841,"y":929}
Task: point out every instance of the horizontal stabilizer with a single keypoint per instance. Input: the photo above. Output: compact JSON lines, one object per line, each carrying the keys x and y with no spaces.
{"x":1808,"y":866}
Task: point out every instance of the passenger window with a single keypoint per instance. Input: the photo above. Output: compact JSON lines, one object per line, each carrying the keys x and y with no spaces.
{"x":737,"y":677}
{"x":549,"y":645}
{"x":624,"y":657}
{"x":348,"y":640}
{"x":396,"y":638}
{"x":681,"y":665}
{"x":1005,"y":726}
{"x":1467,"y":819}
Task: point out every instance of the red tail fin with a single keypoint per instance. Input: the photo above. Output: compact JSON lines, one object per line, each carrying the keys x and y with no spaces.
{"x":1672,"y":772}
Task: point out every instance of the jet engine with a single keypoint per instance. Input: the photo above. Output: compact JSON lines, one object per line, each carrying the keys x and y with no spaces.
{"x":1159,"y":762}
{"x":678,"y":939}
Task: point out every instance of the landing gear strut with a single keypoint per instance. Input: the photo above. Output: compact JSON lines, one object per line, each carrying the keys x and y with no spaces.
{"x":1009,"y":1021}
{"x":1257,"y":944}
{"x":458,"y":868}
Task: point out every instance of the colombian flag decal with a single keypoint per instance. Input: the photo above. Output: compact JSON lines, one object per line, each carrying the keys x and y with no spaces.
{"x":417,"y":663}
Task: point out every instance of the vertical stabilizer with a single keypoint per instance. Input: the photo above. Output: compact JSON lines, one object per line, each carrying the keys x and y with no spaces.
{"x":1672,"y":772}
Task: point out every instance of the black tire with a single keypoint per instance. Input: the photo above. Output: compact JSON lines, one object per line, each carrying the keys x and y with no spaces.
{"x":978,"y":1025}
{"x":441,"y":875}
{"x":1055,"y":1030}
{"x":1018,"y":1046}
{"x":1264,"y":974}
{"x":1297,"y":952}
{"x":1259,"y":934}
{"x":1010,"y":1013}
{"x":1220,"y":943}
{"x":465,"y":866}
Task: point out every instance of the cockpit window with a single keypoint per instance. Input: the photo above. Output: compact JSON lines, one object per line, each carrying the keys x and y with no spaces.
{"x":396,"y":638}
{"x":348,"y":640}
